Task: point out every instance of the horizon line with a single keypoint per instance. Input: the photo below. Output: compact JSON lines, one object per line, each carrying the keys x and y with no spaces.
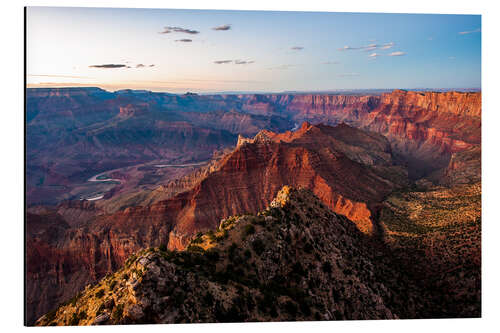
{"x":229,"y":92}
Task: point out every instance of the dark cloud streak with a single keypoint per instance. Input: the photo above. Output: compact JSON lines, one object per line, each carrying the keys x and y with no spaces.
{"x":107,"y":66}
{"x":224,"y":27}
{"x":243,"y":62}
{"x":112,"y":66}
{"x":184,"y":40}
{"x":167,"y":30}
{"x":219,"y":62}
{"x":236,"y":62}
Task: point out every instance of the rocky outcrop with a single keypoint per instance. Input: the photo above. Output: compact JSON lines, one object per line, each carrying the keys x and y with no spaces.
{"x":78,"y":212}
{"x":296,"y":260}
{"x":131,"y":110}
{"x":464,"y":168}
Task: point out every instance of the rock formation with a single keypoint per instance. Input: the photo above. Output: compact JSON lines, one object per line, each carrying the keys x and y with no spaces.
{"x":297,"y":260}
{"x":351,"y":171}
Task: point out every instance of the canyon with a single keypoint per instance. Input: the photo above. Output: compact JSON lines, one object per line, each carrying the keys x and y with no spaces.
{"x":351,"y":151}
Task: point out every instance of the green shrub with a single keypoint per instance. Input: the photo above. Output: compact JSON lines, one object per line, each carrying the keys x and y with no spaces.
{"x":100,"y":293}
{"x":117,"y":312}
{"x":298,"y":269}
{"x":326,"y":267}
{"x":178,"y":298}
{"x":130,"y":260}
{"x":82,"y":315}
{"x":308,"y":248}
{"x":101,"y":309}
{"x":305,"y":308}
{"x":74,"y":299}
{"x":51,"y":315}
{"x":291,"y":308}
{"x":74,"y":320}
{"x":249,"y":229}
{"x":195,"y":248}
{"x":197,"y":240}
{"x":212,"y":255}
{"x":208,"y":299}
{"x":232,"y":251}
{"x":211,"y":235}
{"x":76,"y":317}
{"x":221,"y":237}
{"x":258,"y":246}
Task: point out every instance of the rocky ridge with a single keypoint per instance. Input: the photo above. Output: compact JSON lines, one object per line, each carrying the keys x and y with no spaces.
{"x":297,"y":260}
{"x":243,"y":181}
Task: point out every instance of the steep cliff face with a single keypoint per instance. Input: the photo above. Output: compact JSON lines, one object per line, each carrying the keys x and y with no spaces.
{"x":78,"y":212}
{"x":350,"y":171}
{"x":296,"y":260}
{"x":464,"y":167}
{"x":238,"y":122}
{"x":314,"y":157}
{"x":424,"y":128}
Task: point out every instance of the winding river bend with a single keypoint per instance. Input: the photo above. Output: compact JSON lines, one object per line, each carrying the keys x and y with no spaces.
{"x":102,"y":176}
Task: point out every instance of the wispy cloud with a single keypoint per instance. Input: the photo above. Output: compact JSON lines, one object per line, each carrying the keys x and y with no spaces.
{"x":368,"y":48}
{"x":374,"y":55}
{"x":109,"y":66}
{"x":236,"y":62}
{"x":331,"y":63}
{"x":168,"y":30}
{"x":60,"y":76}
{"x":224,"y":27}
{"x":397,"y":54}
{"x":184,"y":40}
{"x":297,"y":48}
{"x":219,"y":62}
{"x":348,"y":48}
{"x":452,"y":58}
{"x":243,"y":62}
{"x":387,"y":46}
{"x":469,"y":31}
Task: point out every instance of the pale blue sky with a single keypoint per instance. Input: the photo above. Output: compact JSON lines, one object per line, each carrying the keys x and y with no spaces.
{"x":384,"y":50}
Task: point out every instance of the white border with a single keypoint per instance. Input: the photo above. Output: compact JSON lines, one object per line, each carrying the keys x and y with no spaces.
{"x":11,"y":193}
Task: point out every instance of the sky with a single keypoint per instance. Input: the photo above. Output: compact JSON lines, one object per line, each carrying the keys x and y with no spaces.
{"x":250,"y":51}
